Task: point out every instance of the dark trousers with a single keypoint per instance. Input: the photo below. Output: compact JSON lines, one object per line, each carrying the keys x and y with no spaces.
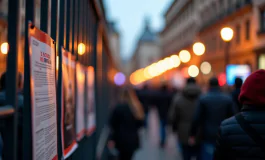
{"x":188,"y":152}
{"x":162,"y":132}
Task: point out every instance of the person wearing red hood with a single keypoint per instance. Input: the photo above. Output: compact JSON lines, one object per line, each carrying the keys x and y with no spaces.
{"x":242,"y":137}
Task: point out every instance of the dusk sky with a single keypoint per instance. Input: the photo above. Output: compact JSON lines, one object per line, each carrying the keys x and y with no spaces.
{"x":130,"y":15}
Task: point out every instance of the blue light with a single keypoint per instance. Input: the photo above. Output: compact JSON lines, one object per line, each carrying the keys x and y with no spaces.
{"x":234,"y":71}
{"x":119,"y":79}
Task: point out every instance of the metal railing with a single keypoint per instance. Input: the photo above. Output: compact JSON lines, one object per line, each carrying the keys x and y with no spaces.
{"x":71,"y":22}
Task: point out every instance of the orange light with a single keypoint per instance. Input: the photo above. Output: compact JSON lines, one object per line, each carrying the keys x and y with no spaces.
{"x":81,"y":48}
{"x":4,"y":48}
{"x":176,"y":60}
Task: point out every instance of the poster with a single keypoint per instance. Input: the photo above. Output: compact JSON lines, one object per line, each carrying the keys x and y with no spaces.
{"x":80,"y":93}
{"x":43,"y":95}
{"x":68,"y":104}
{"x":90,"y":104}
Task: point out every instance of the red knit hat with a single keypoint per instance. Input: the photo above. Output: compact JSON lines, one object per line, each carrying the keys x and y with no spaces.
{"x":253,"y":89}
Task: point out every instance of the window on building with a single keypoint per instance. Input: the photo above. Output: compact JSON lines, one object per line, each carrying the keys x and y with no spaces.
{"x":248,"y":30}
{"x":262,"y":20}
{"x":238,"y":30}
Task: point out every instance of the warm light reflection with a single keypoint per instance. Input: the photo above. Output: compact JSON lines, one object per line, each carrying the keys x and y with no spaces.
{"x":184,"y":56}
{"x":227,"y":34}
{"x":154,"y":70}
{"x":175,"y":60}
{"x":206,"y":67}
{"x":57,"y":62}
{"x":198,"y":48}
{"x":193,"y":71}
{"x":4,"y":48}
{"x":81,"y":48}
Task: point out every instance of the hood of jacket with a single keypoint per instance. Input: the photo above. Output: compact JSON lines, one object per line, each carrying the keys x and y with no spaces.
{"x":191,"y":91}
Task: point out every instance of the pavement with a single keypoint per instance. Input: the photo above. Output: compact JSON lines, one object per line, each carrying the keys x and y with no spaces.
{"x":150,"y":148}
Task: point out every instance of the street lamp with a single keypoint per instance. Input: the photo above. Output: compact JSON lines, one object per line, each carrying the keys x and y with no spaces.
{"x":199,"y":48}
{"x":4,"y":48}
{"x":227,"y":35}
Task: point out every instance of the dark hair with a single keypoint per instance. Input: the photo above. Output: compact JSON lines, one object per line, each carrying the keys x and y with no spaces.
{"x":213,"y":82}
{"x":238,"y":82}
{"x":3,"y":81}
{"x":191,"y":80}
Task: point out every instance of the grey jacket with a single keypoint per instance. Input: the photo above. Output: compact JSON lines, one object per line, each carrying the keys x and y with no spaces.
{"x":182,"y":110}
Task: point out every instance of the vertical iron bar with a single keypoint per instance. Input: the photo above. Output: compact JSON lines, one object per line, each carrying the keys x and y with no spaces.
{"x":44,"y":15}
{"x":77,"y":29}
{"x":10,"y":131}
{"x":87,"y":33}
{"x":73,"y":27}
{"x":83,"y":31}
{"x":27,"y":131}
{"x":54,"y":10}
{"x":61,"y":40}
{"x":68,"y":3}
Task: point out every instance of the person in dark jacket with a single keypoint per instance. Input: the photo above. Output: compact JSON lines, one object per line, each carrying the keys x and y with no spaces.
{"x":144,"y":98}
{"x":181,"y":114}
{"x":125,"y":121}
{"x":212,"y":109}
{"x":233,"y":141}
{"x":235,"y":93}
{"x":162,"y":100}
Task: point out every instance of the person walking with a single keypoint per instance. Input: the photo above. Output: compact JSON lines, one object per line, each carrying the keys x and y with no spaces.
{"x":235,"y":93}
{"x":242,"y":136}
{"x":162,"y":100}
{"x":180,"y":117}
{"x":212,"y":109}
{"x":125,"y":121}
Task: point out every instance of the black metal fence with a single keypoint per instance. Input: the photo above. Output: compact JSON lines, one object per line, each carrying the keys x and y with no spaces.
{"x":71,"y":22}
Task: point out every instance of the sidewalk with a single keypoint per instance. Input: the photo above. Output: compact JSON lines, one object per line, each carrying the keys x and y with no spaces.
{"x":150,"y":142}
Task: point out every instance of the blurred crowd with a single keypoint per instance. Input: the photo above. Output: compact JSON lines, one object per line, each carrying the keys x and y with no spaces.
{"x":215,"y":124}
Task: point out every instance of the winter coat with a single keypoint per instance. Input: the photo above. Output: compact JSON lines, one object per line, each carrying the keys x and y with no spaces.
{"x":212,"y":109}
{"x":234,"y":143}
{"x":182,"y":110}
{"x":124,"y":128}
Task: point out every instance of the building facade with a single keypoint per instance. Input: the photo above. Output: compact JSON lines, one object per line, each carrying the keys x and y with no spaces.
{"x":204,"y":21}
{"x":147,"y":50}
{"x":114,"y":40}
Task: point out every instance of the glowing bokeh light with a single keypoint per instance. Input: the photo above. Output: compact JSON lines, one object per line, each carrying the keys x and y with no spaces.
{"x":176,"y":60}
{"x":81,"y":48}
{"x":193,"y":71}
{"x":184,"y":56}
{"x":206,"y":67}
{"x":4,"y":48}
{"x":199,"y":48}
{"x":119,"y":79}
{"x":222,"y":79}
{"x":227,"y":34}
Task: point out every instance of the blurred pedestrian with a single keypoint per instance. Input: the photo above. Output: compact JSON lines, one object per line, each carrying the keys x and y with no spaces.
{"x":162,"y":101}
{"x":235,"y":93}
{"x":20,"y":99}
{"x":125,"y":121}
{"x":242,"y":136}
{"x":180,"y":116}
{"x":144,"y":97}
{"x":212,"y":109}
